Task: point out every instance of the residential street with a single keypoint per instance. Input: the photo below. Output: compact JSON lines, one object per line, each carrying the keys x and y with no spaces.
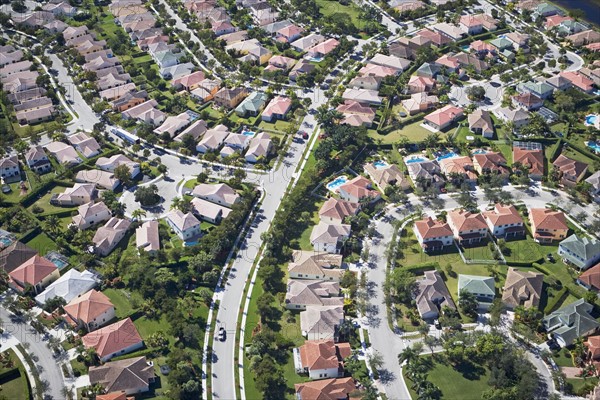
{"x":48,"y":367}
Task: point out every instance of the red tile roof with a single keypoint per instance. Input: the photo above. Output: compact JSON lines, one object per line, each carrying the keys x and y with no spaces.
{"x":544,"y":218}
{"x":430,"y":228}
{"x":112,"y":338}
{"x":323,"y":354}
{"x":33,"y":271}
{"x":88,"y":306}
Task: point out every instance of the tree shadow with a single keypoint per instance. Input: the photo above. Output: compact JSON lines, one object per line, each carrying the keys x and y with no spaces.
{"x":470,"y":371}
{"x":386,"y":376}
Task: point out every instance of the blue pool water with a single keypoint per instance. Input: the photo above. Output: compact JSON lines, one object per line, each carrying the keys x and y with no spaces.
{"x":591,"y":119}
{"x":465,"y":48}
{"x":336,"y":183}
{"x":415,"y":160}
{"x":60,"y":263}
{"x":6,"y":241}
{"x":450,"y":154}
{"x":479,"y":151}
{"x":248,"y":133}
{"x":594,"y":146}
{"x":190,"y":243}
{"x":315,"y":59}
{"x":380,"y":164}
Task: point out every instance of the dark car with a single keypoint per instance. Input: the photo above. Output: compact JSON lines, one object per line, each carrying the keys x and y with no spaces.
{"x":222,"y":334}
{"x":304,"y":135}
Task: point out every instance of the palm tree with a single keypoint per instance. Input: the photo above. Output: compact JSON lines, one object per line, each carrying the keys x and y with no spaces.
{"x":409,"y":354}
{"x":138,"y":214}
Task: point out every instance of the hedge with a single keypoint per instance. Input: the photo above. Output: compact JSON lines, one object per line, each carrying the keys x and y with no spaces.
{"x":542,"y":269}
{"x":139,"y":353}
{"x":422,"y":267}
{"x":9,"y":375}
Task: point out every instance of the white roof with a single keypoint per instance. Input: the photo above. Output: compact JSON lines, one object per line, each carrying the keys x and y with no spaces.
{"x":68,"y":286}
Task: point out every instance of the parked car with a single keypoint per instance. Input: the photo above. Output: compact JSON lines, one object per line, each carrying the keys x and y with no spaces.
{"x":437,"y":324}
{"x":222,"y":334}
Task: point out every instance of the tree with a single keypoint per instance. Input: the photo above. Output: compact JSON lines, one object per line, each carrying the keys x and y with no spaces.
{"x":468,"y":303}
{"x":265,"y":308}
{"x":138,"y":214}
{"x":147,"y":195}
{"x":123,"y":173}
{"x":475,"y":93}
{"x":401,"y":284}
{"x":376,"y":360}
{"x":409,"y":354}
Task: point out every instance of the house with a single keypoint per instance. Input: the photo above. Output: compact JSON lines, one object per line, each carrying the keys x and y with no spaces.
{"x":558,"y":82}
{"x":356,"y":114}
{"x":173,"y":124}
{"x":129,"y":100}
{"x":483,"y":49}
{"x":471,"y":24}
{"x":504,"y":221}
{"x":132,"y":375}
{"x":593,"y":346}
{"x":579,"y":81}
{"x":321,"y":359}
{"x":583,"y":38}
{"x":189,"y":82}
{"x":289,"y":33}
{"x":236,"y":142}
{"x":480,"y":123}
{"x":213,"y":139}
{"x":37,"y":160}
{"x":277,"y":108}
{"x":548,"y":225}
{"x":363,"y":96}
{"x":10,"y":171}
{"x":378,"y":71}
{"x":570,"y":172}
{"x":252,"y":105}
{"x":581,"y":252}
{"x":467,"y":227}
{"x":329,"y":237}
{"x":320,"y":50}
{"x":114,"y":396}
{"x":145,"y":112}
{"x":91,"y":213}
{"x":114,"y":340}
{"x":334,"y":389}
{"x":403,"y":6}
{"x":147,"y":237}
{"x":532,"y":159}
{"x":302,"y":67}
{"x":520,"y":41}
{"x":206,"y":90}
{"x":420,"y":102}
{"x":490,"y":163}
{"x":571,"y":322}
{"x":543,"y":90}
{"x":451,"y":31}
{"x":110,"y":164}
{"x":13,"y":68}
{"x":432,"y":295}
{"x":107,"y":237}
{"x":220,"y":193}
{"x":442,"y":118}
{"x":321,"y":322}
{"x":282,"y":63}
{"x":418,"y":84}
{"x":302,"y":294}
{"x":425,"y":173}
{"x":208,"y":211}
{"x":74,"y":31}
{"x":481,"y":286}
{"x":196,"y":130}
{"x":367,"y":82}
{"x":335,"y":210}
{"x":33,"y":116}
{"x":502,"y":44}
{"x":590,"y":279}
{"x":69,"y":286}
{"x":79,"y":194}
{"x":307,"y":42}
{"x":230,"y":98}
{"x":433,"y":235}
{"x":259,"y":149}
{"x":101,"y":178}
{"x":459,"y":168}
{"x":186,"y":226}
{"x":86,"y":145}
{"x":528,"y":101}
{"x":311,"y":265}
{"x":522,"y":288}
{"x":386,"y":176}
{"x":14,"y":255}
{"x":357,"y":189}
{"x":545,"y":10}
{"x":90,"y":310}
{"x":518,"y":117}
{"x":37,"y":272}
{"x":594,"y":181}
{"x":177,"y":71}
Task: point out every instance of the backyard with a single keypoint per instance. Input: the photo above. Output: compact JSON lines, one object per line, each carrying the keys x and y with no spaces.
{"x":413,"y":133}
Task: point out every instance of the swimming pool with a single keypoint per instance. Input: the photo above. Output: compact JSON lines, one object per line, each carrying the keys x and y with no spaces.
{"x":591,"y":119}
{"x":190,"y":243}
{"x":60,"y":264}
{"x":594,"y":146}
{"x":336,"y":183}
{"x":450,"y":154}
{"x":380,"y":164}
{"x":413,"y":160}
{"x":479,"y":151}
{"x":315,"y":59}
{"x":5,"y":241}
{"x":248,"y":133}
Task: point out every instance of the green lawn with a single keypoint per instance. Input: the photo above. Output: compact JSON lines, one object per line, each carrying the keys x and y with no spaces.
{"x":413,"y":132}
{"x":305,"y":236}
{"x":44,"y":202}
{"x":576,"y":155}
{"x":16,"y":387}
{"x":42,"y":243}
{"x":468,"y":382}
{"x":15,"y":195}
{"x":121,"y":300}
{"x":329,"y":7}
{"x":561,"y":359}
{"x":278,"y":125}
{"x":580,"y":386}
